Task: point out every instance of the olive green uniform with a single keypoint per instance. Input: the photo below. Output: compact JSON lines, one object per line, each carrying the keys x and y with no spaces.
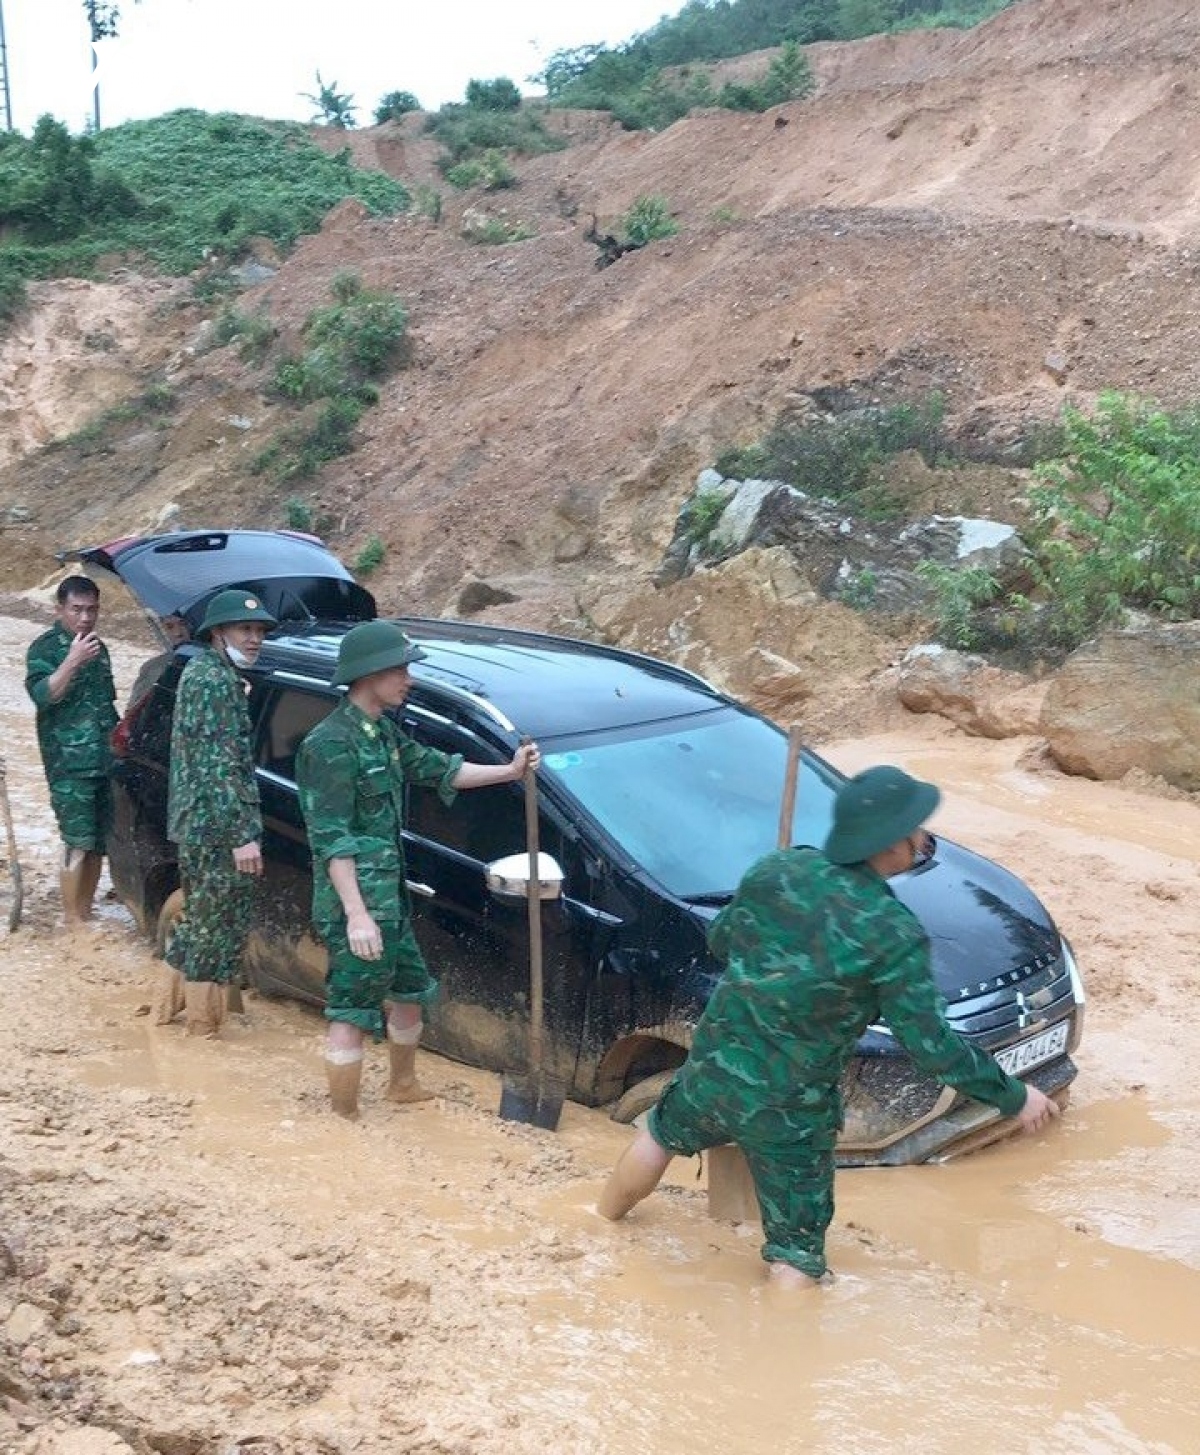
{"x":816,"y":952}
{"x":73,"y":735}
{"x":212,"y":809}
{"x":351,"y":771}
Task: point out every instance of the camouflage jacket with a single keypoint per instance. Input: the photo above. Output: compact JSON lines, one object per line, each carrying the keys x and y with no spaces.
{"x":213,"y":794}
{"x":815,"y":953}
{"x":351,"y":771}
{"x":73,"y":733}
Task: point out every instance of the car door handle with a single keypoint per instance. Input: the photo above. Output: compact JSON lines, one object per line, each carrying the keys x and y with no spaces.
{"x":426,"y":891}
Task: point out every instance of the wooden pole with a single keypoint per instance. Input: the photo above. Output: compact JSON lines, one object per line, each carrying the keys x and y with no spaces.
{"x":791,"y":772}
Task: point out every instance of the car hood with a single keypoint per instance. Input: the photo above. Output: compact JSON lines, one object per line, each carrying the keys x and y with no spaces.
{"x":983,"y":923}
{"x":177,"y":574}
{"x":986,"y":927}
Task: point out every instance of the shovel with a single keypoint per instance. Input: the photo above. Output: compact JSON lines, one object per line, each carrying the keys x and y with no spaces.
{"x":534,"y":1097}
{"x":14,"y":866}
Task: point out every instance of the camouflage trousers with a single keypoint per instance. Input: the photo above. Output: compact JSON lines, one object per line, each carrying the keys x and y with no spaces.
{"x":83,"y":808}
{"x":356,"y":989}
{"x":789,"y":1153}
{"x":218,"y":906}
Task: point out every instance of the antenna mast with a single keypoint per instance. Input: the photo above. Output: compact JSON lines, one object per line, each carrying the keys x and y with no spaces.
{"x":5,"y":93}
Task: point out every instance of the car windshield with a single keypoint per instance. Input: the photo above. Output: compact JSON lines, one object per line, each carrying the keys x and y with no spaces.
{"x":696,"y":801}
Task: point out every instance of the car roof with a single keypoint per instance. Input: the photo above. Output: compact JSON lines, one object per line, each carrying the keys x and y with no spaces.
{"x":524,"y":682}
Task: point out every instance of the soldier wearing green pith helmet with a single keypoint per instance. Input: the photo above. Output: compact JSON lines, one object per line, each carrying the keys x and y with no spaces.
{"x":352,"y":770}
{"x":816,"y":947}
{"x":213,"y":812}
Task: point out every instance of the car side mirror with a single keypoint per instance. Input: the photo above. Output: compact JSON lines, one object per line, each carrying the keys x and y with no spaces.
{"x":508,"y":878}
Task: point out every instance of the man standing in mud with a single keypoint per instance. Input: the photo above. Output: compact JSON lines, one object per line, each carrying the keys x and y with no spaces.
{"x":69,"y":676}
{"x":213,"y":813}
{"x":817,"y":947}
{"x":351,"y":772}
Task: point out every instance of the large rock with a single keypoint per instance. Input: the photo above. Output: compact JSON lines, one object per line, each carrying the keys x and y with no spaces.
{"x":1129,"y":700}
{"x":977,"y":697}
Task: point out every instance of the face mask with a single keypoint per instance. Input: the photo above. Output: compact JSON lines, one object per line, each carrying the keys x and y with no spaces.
{"x":238,"y":658}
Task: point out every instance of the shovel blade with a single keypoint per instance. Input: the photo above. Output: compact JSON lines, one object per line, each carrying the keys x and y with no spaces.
{"x":535,"y":1101}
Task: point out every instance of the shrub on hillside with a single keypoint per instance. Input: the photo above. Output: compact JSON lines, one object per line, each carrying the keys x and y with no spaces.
{"x":176,"y":190}
{"x":395,"y":105}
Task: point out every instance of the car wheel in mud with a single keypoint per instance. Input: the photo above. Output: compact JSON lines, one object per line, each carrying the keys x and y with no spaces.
{"x":168,"y":920}
{"x":641,"y":1096}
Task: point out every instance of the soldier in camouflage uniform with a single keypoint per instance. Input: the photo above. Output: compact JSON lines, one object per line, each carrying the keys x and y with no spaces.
{"x":351,"y":771}
{"x":69,"y":676}
{"x":213,"y":813}
{"x":817,"y":948}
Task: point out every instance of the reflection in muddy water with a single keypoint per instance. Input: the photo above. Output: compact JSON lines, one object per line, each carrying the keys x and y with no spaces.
{"x":434,"y":1279}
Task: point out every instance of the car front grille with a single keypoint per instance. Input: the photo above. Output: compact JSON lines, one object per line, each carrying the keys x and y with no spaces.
{"x":1034,"y":995}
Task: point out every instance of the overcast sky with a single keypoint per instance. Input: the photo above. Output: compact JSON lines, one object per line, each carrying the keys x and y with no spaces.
{"x":259,"y":56}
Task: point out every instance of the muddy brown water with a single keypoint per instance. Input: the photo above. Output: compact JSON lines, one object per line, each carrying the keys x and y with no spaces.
{"x":239,"y":1264}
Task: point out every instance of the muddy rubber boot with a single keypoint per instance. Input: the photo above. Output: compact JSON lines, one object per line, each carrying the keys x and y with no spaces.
{"x":344,"y":1080}
{"x":70,"y":883}
{"x":637,"y":1173}
{"x":89,"y":882}
{"x":403,"y":1085}
{"x":205,"y":1004}
{"x":170,"y":995}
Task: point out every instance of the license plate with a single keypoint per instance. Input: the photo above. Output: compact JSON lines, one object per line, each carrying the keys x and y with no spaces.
{"x":1025,"y":1055}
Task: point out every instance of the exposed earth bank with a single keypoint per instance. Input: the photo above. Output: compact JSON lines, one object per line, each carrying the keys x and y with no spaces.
{"x":196,"y":1258}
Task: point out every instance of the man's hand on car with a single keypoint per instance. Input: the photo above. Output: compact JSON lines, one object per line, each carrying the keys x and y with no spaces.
{"x":1038,"y":1110}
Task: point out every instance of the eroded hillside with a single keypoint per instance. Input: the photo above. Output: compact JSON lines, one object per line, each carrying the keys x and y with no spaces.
{"x":1006,"y":215}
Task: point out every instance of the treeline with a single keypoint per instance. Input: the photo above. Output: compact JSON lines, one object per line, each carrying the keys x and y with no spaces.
{"x":659,"y":75}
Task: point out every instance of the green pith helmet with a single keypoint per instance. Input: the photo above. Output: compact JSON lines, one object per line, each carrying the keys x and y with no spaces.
{"x":373,"y":647}
{"x":229,"y":607}
{"x":876,"y":809}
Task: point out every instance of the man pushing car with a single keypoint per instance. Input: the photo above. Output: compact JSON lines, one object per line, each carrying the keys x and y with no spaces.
{"x":351,"y":772}
{"x":817,"y":948}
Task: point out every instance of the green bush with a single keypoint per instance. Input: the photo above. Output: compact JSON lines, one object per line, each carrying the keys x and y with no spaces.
{"x":843,"y":458}
{"x":395,"y":105}
{"x":958,"y":594}
{"x":1119,"y":515}
{"x":370,"y":558}
{"x":498,"y":95}
{"x":468,"y":131}
{"x":178,"y":191}
{"x":253,"y":332}
{"x":496,"y":231}
{"x":647,"y":220}
{"x":489,"y":170}
{"x":297,"y":513}
{"x":357,"y":339}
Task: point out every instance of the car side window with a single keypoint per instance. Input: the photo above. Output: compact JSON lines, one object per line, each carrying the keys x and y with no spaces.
{"x":483,"y":823}
{"x":292,"y":715}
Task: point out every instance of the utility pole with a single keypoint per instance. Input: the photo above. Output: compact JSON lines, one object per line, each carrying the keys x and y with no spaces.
{"x":5,"y":93}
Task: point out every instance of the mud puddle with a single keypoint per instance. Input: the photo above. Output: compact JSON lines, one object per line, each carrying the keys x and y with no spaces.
{"x":201,"y":1255}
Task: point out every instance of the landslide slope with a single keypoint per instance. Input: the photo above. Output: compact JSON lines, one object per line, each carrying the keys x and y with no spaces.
{"x":1009,"y":215}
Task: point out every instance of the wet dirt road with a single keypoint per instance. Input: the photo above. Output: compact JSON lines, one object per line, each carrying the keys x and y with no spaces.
{"x":201,"y":1255}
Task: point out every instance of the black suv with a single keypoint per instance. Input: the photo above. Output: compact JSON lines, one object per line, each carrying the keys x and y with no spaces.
{"x":656,"y":793}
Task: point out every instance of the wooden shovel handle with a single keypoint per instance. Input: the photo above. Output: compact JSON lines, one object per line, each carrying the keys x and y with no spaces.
{"x":787,"y":809}
{"x":536,"y":996}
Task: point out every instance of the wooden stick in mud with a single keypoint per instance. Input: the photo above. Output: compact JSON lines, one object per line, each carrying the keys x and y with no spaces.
{"x":788,"y":807}
{"x":14,"y":865}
